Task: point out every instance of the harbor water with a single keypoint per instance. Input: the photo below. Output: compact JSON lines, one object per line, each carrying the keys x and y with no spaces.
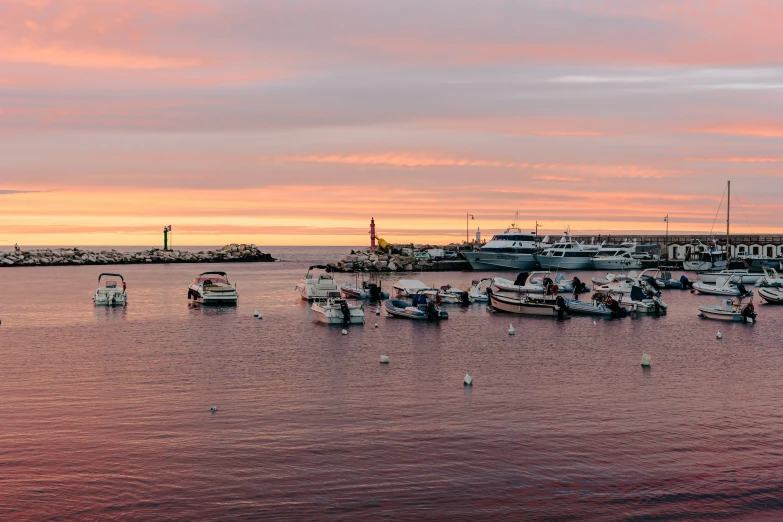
{"x":106,"y":412}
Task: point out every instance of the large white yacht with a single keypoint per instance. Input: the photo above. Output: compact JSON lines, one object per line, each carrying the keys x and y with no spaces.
{"x":510,"y":250}
{"x":617,"y":257}
{"x":568,"y":254}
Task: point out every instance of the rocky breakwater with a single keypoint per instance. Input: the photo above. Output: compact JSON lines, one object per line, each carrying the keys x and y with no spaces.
{"x":76,"y":256}
{"x":367,"y":260}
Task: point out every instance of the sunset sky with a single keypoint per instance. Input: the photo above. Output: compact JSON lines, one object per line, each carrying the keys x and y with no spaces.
{"x":293,"y":122}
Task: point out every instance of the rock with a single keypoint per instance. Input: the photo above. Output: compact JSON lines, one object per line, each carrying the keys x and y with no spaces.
{"x":391,"y":266}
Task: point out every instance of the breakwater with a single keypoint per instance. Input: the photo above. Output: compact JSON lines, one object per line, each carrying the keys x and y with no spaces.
{"x":241,"y":253}
{"x":405,"y":261}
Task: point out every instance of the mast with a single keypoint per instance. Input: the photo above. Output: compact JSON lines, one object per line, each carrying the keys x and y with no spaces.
{"x":728,"y":214}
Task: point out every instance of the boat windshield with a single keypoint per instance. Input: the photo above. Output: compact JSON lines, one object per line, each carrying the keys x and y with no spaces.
{"x":211,"y":279}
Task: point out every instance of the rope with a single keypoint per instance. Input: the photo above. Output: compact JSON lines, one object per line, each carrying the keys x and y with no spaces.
{"x":743,"y":213}
{"x":716,"y":212}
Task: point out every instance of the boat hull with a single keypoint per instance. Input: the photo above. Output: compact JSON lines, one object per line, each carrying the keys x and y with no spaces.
{"x":744,"y":278}
{"x":118,"y":299}
{"x":336,"y":317}
{"x":716,"y":290}
{"x":771,"y":295}
{"x":564,"y":263}
{"x":403,"y":310}
{"x":498,"y":261}
{"x":522,"y":306}
{"x":616,"y":264}
{"x":720,"y":314}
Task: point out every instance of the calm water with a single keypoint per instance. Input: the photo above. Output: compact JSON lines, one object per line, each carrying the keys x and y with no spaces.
{"x":106,"y":411}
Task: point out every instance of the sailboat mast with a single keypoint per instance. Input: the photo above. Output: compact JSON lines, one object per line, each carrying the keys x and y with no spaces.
{"x":728,"y":215}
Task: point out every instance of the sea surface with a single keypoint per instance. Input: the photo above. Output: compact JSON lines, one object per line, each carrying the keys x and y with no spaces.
{"x":106,"y":412}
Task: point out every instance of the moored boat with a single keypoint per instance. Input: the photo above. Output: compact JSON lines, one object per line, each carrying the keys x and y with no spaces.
{"x":770,"y":278}
{"x":542,"y":282}
{"x":509,"y":250}
{"x":111,"y":293}
{"x":317,"y":286}
{"x":420,"y":309}
{"x":212,"y":288}
{"x":337,"y":311}
{"x":771,"y":295}
{"x":525,"y":305}
{"x":408,"y":287}
{"x":448,"y":294}
{"x":726,"y":286}
{"x":729,"y":310}
{"x":568,"y":254}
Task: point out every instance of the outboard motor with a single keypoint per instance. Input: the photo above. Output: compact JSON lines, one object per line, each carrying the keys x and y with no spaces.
{"x":562,"y":308}
{"x":686,"y":284}
{"x":748,"y":313}
{"x":742,"y":290}
{"x":192,"y":294}
{"x":653,"y":283}
{"x":617,"y":310}
{"x":346,"y":312}
{"x":579,"y":286}
{"x":465,"y":298}
{"x":432,"y":311}
{"x":521,"y":279}
{"x":375,"y":292}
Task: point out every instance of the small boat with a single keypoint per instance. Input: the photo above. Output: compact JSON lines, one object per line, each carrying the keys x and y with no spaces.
{"x":699,"y":256}
{"x":600,"y":304}
{"x":615,"y":283}
{"x":110,"y":294}
{"x":526,"y":305}
{"x":663,"y":278}
{"x":448,"y":294}
{"x":644,"y":299}
{"x":568,"y":254}
{"x":544,"y":283}
{"x":212,"y":288}
{"x":420,"y":309}
{"x":478,"y":289}
{"x":741,"y":275}
{"x":320,"y":287}
{"x":726,"y":286}
{"x":408,"y":287}
{"x":770,"y":278}
{"x":730,"y":310}
{"x":368,"y":288}
{"x":617,"y":257}
{"x":771,"y":295}
{"x":337,"y":311}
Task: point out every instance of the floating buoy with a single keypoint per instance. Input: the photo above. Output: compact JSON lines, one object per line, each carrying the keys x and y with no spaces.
{"x":719,"y":336}
{"x":511,"y":330}
{"x":384,"y":359}
{"x":256,"y":313}
{"x":260,"y":316}
{"x":345,"y":332}
{"x":378,"y":311}
{"x":376,"y":325}
{"x":646,"y":360}
{"x":594,"y":323}
{"x":468,"y":380}
{"x":213,"y":409}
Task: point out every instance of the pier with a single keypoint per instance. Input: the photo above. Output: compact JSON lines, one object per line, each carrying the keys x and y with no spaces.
{"x":234,"y":253}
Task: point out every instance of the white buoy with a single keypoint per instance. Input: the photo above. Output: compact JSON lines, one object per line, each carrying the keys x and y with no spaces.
{"x":646,"y":360}
{"x":213,"y":409}
{"x":256,"y":313}
{"x":376,"y":325}
{"x":260,"y":316}
{"x":511,"y":330}
{"x":719,"y":336}
{"x":378,"y":311}
{"x":594,"y":323}
{"x":468,"y":380}
{"x":384,"y":359}
{"x":345,"y":332}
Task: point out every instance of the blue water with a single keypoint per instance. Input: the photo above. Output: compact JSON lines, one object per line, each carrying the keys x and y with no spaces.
{"x":106,"y":412}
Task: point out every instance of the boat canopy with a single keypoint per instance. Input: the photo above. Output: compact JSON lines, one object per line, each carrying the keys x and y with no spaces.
{"x":107,"y":274}
{"x":322,"y":267}
{"x":411,"y":285}
{"x":215,"y":273}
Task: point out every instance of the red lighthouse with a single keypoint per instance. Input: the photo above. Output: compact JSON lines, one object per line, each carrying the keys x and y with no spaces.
{"x":372,"y":233}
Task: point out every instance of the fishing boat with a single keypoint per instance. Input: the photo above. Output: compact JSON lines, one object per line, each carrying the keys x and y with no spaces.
{"x":770,"y":278}
{"x":212,"y":288}
{"x":729,"y":310}
{"x":526,"y":305}
{"x":568,"y":254}
{"x":448,"y":294}
{"x":110,"y":293}
{"x":509,"y":250}
{"x":478,"y":289}
{"x":539,"y":283}
{"x":771,"y":295}
{"x":408,"y":287}
{"x":617,"y":257}
{"x":366,"y":288}
{"x":726,"y":286}
{"x":320,"y":285}
{"x":337,"y":311}
{"x":420,"y":309}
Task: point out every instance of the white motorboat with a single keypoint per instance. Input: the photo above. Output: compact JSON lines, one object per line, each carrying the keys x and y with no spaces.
{"x":729,"y":310}
{"x":110,"y":293}
{"x":420,"y":309}
{"x":337,"y":311}
{"x":448,"y":294}
{"x":770,"y":278}
{"x":510,"y":250}
{"x":699,"y":257}
{"x":615,"y":283}
{"x":539,"y":283}
{"x":617,"y":257}
{"x":320,"y":285}
{"x":744,"y":276}
{"x":727,"y":286}
{"x":771,"y":295}
{"x":367,"y":288}
{"x":597,"y":305}
{"x":568,"y":254}
{"x":408,"y":287}
{"x":212,"y":288}
{"x":643,"y":299}
{"x":526,"y":305}
{"x":478,"y":289}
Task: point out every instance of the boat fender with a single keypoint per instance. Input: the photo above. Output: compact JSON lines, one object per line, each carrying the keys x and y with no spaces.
{"x":438,"y":300}
{"x":554,"y":289}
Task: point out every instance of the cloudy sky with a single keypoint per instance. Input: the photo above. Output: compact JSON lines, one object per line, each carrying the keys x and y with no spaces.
{"x":293,"y":122}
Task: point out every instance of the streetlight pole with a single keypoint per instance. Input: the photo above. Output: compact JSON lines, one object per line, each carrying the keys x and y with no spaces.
{"x":468,"y":216}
